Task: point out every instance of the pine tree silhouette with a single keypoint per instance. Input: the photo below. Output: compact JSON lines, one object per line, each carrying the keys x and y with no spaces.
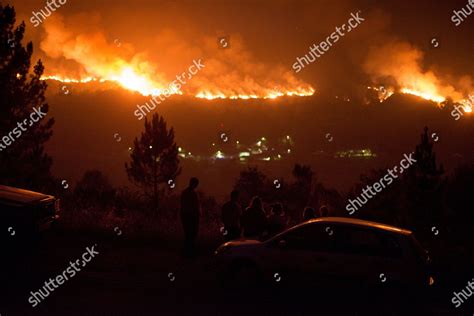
{"x":423,"y":186}
{"x":154,"y":159}
{"x":23,"y":163}
{"x":425,"y":171}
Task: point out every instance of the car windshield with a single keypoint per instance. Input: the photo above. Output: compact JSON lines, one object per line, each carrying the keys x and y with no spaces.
{"x":344,"y":239}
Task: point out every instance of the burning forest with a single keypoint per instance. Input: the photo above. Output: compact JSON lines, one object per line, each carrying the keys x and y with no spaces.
{"x":179,"y":157}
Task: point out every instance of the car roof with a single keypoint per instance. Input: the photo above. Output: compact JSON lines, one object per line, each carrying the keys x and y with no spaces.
{"x":20,"y":196}
{"x":360,"y":222}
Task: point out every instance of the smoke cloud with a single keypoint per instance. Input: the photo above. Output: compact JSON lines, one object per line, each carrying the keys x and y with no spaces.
{"x":401,"y":64}
{"x":75,"y":50}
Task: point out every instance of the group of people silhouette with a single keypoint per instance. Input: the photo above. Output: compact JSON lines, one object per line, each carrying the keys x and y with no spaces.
{"x":252,"y":223}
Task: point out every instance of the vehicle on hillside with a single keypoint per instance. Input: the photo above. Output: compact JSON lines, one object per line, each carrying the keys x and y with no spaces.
{"x":329,"y":252}
{"x":24,"y":212}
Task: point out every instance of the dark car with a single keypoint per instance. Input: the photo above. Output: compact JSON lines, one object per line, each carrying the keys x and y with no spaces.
{"x":330,"y":251}
{"x":24,"y":212}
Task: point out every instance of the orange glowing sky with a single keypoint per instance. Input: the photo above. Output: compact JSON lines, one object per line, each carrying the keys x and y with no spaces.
{"x":88,"y":42}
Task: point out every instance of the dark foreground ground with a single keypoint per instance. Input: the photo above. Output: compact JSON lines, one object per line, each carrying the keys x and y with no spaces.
{"x":151,"y":278}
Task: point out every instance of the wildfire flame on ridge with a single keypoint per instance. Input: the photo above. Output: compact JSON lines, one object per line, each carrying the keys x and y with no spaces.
{"x":130,"y":80}
{"x":407,"y":71}
{"x":81,"y":55}
{"x":430,"y":96}
{"x":385,"y":93}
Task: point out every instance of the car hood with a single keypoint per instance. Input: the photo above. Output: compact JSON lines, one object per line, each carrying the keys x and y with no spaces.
{"x":244,"y":242}
{"x":20,"y":196}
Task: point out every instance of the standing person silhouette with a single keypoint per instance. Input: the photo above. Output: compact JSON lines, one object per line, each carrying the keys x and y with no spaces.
{"x":323,"y":211}
{"x":190,"y":212}
{"x":231,"y":212}
{"x":276,"y":220}
{"x":254,"y":220}
{"x":308,"y":213}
